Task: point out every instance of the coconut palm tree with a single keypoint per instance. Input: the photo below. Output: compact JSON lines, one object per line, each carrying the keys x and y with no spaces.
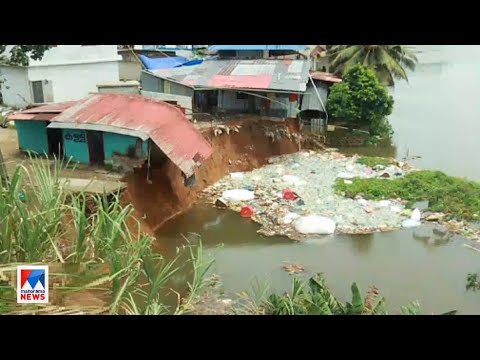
{"x":388,"y":61}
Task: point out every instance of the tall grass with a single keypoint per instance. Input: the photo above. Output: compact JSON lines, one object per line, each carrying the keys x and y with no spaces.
{"x":31,"y":213}
{"x":41,"y":223}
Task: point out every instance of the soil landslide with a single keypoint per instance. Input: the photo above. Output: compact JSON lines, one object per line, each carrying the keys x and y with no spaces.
{"x":239,"y":145}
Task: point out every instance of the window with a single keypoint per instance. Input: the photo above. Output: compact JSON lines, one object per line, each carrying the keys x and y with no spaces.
{"x":37,"y":90}
{"x":42,"y":91}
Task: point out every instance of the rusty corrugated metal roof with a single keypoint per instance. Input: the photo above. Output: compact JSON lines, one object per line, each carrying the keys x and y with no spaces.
{"x":282,"y":75}
{"x":50,"y":108}
{"x":324,"y":76}
{"x":165,"y":124}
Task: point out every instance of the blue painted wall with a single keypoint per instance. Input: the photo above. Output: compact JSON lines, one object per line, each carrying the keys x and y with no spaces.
{"x":120,"y":144}
{"x":32,"y":136}
{"x":76,"y":145}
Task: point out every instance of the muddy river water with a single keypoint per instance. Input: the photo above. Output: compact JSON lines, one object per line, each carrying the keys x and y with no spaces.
{"x":436,"y":117}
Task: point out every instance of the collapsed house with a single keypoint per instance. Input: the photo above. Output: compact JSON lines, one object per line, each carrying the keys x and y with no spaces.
{"x":101,"y":126}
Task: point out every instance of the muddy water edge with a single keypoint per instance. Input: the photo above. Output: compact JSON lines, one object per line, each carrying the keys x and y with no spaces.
{"x":402,"y":264}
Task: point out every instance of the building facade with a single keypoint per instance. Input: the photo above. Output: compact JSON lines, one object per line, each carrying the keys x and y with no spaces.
{"x":66,"y":72}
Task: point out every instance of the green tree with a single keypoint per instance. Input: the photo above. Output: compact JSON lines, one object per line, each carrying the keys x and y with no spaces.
{"x":360,"y":97}
{"x":21,"y":54}
{"x":389,"y":62}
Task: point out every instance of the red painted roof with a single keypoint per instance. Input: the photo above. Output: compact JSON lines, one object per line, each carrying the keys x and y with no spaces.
{"x":165,"y":124}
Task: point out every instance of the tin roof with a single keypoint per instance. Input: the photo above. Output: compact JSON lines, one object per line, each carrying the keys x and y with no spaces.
{"x":286,"y":75}
{"x":49,"y":108}
{"x":258,"y":47}
{"x":143,"y":117}
{"x":324,"y":76}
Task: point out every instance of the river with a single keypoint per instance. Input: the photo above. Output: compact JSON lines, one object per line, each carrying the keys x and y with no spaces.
{"x":436,"y":116}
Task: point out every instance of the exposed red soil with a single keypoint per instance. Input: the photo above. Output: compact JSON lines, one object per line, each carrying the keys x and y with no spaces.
{"x":167,"y":196}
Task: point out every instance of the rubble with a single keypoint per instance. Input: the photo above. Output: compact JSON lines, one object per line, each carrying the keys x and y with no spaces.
{"x":311,"y":176}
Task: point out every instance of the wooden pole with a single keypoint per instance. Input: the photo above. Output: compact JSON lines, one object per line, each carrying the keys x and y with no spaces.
{"x":3,"y":171}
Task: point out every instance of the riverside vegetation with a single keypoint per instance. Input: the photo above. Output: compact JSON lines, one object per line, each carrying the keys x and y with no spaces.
{"x":40,"y":223}
{"x":459,"y":198}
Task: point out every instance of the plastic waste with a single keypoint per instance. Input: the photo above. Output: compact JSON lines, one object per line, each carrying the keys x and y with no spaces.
{"x":246,"y":212}
{"x":395,"y":209}
{"x":363,"y":202}
{"x":238,"y":195}
{"x":416,"y":215}
{"x":289,"y":194}
{"x":293,"y":180}
{"x":409,"y":223}
{"x":383,"y":203}
{"x":345,"y":175}
{"x":290,"y":217}
{"x":313,"y":224}
{"x":22,"y":196}
{"x":220,"y":203}
{"x":237,"y":175}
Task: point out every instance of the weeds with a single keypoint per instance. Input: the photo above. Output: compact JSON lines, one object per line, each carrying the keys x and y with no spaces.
{"x":372,"y":161}
{"x":313,"y":297}
{"x":473,"y":282}
{"x":200,"y":280}
{"x":457,"y":197}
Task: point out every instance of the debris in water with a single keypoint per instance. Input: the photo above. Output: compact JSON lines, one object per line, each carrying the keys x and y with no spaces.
{"x":247,"y":211}
{"x":220,"y":203}
{"x":294,"y":268}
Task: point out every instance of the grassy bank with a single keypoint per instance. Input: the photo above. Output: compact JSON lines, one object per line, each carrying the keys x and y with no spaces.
{"x":457,"y":197}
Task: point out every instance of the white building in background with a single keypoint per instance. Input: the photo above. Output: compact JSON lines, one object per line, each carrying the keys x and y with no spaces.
{"x":66,"y":72}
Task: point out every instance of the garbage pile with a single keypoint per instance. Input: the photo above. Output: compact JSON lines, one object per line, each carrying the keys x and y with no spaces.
{"x":294,"y":196}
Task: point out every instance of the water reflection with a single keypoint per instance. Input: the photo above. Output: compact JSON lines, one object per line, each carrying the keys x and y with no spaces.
{"x":362,"y":244}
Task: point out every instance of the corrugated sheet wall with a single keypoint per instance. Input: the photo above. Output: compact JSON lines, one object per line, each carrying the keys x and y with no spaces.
{"x":32,"y":136}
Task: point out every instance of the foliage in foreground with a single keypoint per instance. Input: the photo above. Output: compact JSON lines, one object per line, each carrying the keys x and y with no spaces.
{"x":388,"y":62}
{"x":313,"y":297}
{"x":361,"y":99}
{"x":457,"y":197}
{"x":41,"y":223}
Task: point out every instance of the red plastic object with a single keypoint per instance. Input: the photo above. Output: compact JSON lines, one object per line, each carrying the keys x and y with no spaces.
{"x":289,"y":194}
{"x":247,"y":211}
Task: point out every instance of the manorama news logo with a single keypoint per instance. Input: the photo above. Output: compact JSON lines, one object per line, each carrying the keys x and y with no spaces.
{"x":32,"y":284}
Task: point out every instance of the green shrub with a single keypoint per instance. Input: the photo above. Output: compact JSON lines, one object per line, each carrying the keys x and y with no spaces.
{"x":455,"y":196}
{"x":362,"y":99}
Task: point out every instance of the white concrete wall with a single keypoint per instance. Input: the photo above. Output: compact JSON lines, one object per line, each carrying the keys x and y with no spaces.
{"x":74,"y":54}
{"x":16,"y":88}
{"x":73,"y":82}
